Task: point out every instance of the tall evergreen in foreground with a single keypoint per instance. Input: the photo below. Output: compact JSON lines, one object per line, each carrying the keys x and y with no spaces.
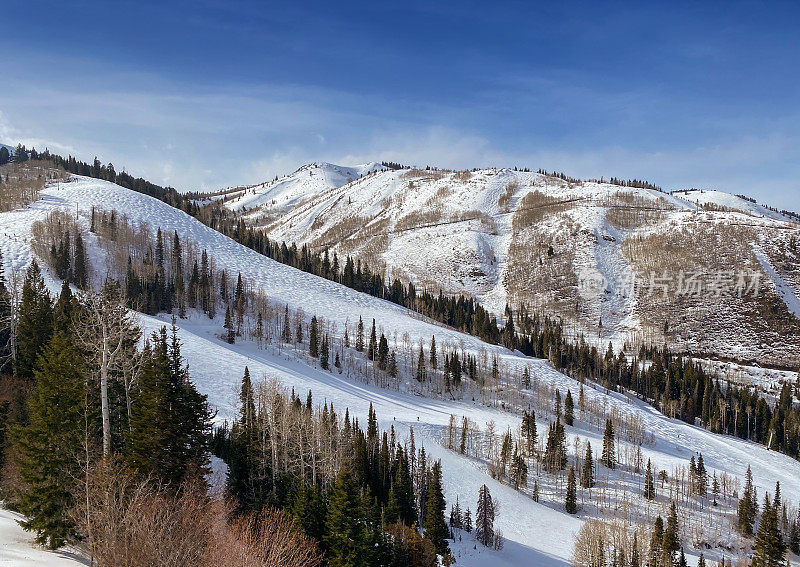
{"x":484,"y":519}
{"x":50,"y":447}
{"x":435,"y":525}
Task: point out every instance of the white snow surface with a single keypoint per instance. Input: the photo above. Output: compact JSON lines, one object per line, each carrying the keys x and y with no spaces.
{"x":296,"y":187}
{"x":730,"y":202}
{"x":536,"y":534}
{"x":17,"y":548}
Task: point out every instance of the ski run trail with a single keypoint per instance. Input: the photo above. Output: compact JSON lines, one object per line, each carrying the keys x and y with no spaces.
{"x":535,"y":533}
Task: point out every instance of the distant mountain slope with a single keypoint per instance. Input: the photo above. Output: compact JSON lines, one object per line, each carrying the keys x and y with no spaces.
{"x":720,"y":200}
{"x":277,"y":196}
{"x":508,"y":236}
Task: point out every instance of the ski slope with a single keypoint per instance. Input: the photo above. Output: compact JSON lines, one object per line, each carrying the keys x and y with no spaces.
{"x":536,"y":533}
{"x":726,"y":201}
{"x":306,"y":182}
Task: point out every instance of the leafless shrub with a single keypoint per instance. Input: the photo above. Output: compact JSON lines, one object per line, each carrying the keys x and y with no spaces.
{"x":129,"y":522}
{"x":463,"y":176}
{"x":418,"y":219}
{"x":265,"y":540}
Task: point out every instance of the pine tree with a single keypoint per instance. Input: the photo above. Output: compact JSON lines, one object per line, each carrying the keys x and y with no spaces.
{"x":373,"y":343}
{"x":313,"y":338}
{"x":529,"y":432}
{"x":343,"y":522}
{"x":324,"y":354}
{"x":702,"y":477}
{"x":467,"y":521}
{"x":609,"y":456}
{"x":49,"y":448}
{"x":649,"y":482}
{"x":247,"y":413}
{"x":518,"y":472}
{"x":484,"y":519}
{"x":587,"y":475}
{"x":571,"y":501}
{"x":433,"y":352}
{"x":769,"y":549}
{"x":80,"y":270}
{"x":535,"y":490}
{"x":670,"y":543}
{"x":569,"y":409}
{"x":360,"y":336}
{"x":6,"y":358}
{"x":435,"y":525}
{"x":421,"y":367}
{"x":747,"y":505}
{"x":286,"y":335}
{"x":656,"y":543}
{"x":230,"y":335}
{"x":35,"y":325}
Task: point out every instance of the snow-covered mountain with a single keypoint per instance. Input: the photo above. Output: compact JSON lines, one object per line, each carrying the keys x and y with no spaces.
{"x":539,"y":533}
{"x":508,"y":236}
{"x":278,"y":196}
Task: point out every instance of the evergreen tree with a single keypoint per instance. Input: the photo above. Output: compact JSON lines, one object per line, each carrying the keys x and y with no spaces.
{"x":535,"y":490}
{"x":435,"y":526}
{"x":49,"y":448}
{"x":80,"y":270}
{"x":670,"y":543}
{"x":324,"y":354}
{"x":569,"y":409}
{"x":35,"y":325}
{"x":747,"y":505}
{"x":609,"y":456}
{"x":247,"y":413}
{"x":518,"y":472}
{"x":343,"y":522}
{"x":230,"y":335}
{"x":433,"y":352}
{"x":313,"y":338}
{"x":649,"y":482}
{"x":571,"y":501}
{"x":656,"y":543}
{"x":6,"y":358}
{"x":467,"y":521}
{"x":484,"y":519}
{"x":168,"y":436}
{"x":702,"y":477}
{"x":769,"y":548}
{"x":373,"y":343}
{"x":360,"y":336}
{"x":286,"y":335}
{"x":529,"y":432}
{"x":587,"y":475}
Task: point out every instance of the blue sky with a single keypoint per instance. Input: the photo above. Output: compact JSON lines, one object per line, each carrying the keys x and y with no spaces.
{"x":201,"y":95}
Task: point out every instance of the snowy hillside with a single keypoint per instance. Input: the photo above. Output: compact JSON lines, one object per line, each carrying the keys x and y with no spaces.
{"x":275,"y":197}
{"x":727,"y":202}
{"x":539,"y":533}
{"x":508,"y":236}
